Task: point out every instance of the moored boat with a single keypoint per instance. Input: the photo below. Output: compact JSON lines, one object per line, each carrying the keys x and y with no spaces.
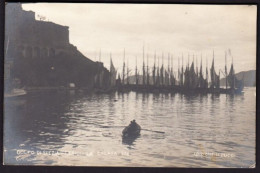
{"x":16,"y":92}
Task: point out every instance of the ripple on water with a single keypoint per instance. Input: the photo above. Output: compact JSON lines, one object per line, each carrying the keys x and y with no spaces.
{"x":92,"y":123}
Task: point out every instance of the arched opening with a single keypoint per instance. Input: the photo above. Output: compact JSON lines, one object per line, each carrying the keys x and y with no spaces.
{"x":37,"y":52}
{"x":44,"y":53}
{"x":52,"y":52}
{"x":20,"y":51}
{"x":28,"y":52}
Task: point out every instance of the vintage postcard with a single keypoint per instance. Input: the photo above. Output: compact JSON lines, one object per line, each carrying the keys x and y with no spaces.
{"x":130,"y":85}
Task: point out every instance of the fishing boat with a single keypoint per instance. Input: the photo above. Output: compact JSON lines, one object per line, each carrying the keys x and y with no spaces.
{"x":16,"y":92}
{"x":132,"y":130}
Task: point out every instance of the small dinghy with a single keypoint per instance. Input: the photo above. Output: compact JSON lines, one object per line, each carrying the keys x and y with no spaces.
{"x":132,"y":130}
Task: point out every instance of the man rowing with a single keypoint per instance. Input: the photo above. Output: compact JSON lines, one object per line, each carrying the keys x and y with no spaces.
{"x":132,"y":130}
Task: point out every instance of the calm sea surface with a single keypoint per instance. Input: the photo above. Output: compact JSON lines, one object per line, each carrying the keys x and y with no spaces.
{"x":70,"y":128}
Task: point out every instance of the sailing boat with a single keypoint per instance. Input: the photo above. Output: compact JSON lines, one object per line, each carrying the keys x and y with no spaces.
{"x":201,"y":79}
{"x":123,"y":74}
{"x":162,"y":72}
{"x":112,"y":73}
{"x":172,"y":79}
{"x":147,"y":71}
{"x":158,"y":74}
{"x":136,"y":73}
{"x":181,"y":80}
{"x":127,"y":73}
{"x":214,"y":77}
{"x":193,"y":76}
{"x":154,"y":68}
{"x":234,"y":83}
{"x":143,"y":68}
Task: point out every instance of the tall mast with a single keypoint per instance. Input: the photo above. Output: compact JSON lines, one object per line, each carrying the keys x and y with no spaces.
{"x":193,"y":59}
{"x":168,"y":70}
{"x":226,"y":67}
{"x":111,"y":71}
{"x":110,"y":61}
{"x":158,"y":72}
{"x":212,"y":72}
{"x":136,"y":77}
{"x":201,"y":63}
{"x":154,"y":68}
{"x":162,"y":71}
{"x":162,"y":59}
{"x":197,"y":71}
{"x":127,"y":73}
{"x":201,"y":80}
{"x":143,"y":68}
{"x":233,"y":72}
{"x":158,"y":62}
{"x":232,"y":57}
{"x":172,"y":78}
{"x":182,"y":71}
{"x":168,"y":62}
{"x":147,"y":70}
{"x":207,"y":70}
{"x":123,"y":70}
{"x":171,"y":62}
{"x":179,"y":75}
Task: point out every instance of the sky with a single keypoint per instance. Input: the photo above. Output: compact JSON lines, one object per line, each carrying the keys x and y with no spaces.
{"x":164,"y":29}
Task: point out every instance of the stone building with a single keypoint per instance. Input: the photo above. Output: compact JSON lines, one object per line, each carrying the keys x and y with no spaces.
{"x":40,"y":54}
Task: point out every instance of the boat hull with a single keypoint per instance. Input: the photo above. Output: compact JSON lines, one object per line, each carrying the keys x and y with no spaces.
{"x":130,"y":131}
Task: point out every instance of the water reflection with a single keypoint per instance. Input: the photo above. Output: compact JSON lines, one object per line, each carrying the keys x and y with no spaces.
{"x":129,"y":140}
{"x":84,"y":122}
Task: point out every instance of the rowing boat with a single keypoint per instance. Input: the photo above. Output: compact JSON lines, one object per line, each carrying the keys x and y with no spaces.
{"x":132,"y":130}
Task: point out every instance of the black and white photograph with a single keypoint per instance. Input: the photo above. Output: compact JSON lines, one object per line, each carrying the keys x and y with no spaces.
{"x":130,"y":85}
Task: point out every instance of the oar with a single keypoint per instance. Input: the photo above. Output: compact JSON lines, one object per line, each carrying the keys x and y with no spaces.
{"x":125,"y":126}
{"x":152,"y":131}
{"x":102,"y":126}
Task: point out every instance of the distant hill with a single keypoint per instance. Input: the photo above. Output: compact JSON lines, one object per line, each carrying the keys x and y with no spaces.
{"x":249,"y":78}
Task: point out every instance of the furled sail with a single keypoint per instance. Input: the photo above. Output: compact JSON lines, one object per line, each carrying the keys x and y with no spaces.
{"x":194,"y":81}
{"x":158,"y":75}
{"x":187,"y":77}
{"x":161,"y":76}
{"x":201,"y":79}
{"x":112,"y":74}
{"x":233,"y":81}
{"x":214,"y":77}
{"x":166,"y":78}
{"x":154,"y":69}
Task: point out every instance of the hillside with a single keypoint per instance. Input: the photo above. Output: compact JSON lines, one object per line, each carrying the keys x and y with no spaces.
{"x":249,"y":78}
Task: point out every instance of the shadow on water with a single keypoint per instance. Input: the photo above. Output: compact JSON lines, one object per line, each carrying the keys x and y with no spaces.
{"x":41,"y":121}
{"x":129,"y":140}
{"x":61,"y":121}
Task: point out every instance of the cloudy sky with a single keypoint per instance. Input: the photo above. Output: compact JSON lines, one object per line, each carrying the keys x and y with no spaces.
{"x":165,"y":29}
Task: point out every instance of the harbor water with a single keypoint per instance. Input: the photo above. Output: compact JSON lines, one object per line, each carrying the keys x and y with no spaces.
{"x":82,"y":129}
